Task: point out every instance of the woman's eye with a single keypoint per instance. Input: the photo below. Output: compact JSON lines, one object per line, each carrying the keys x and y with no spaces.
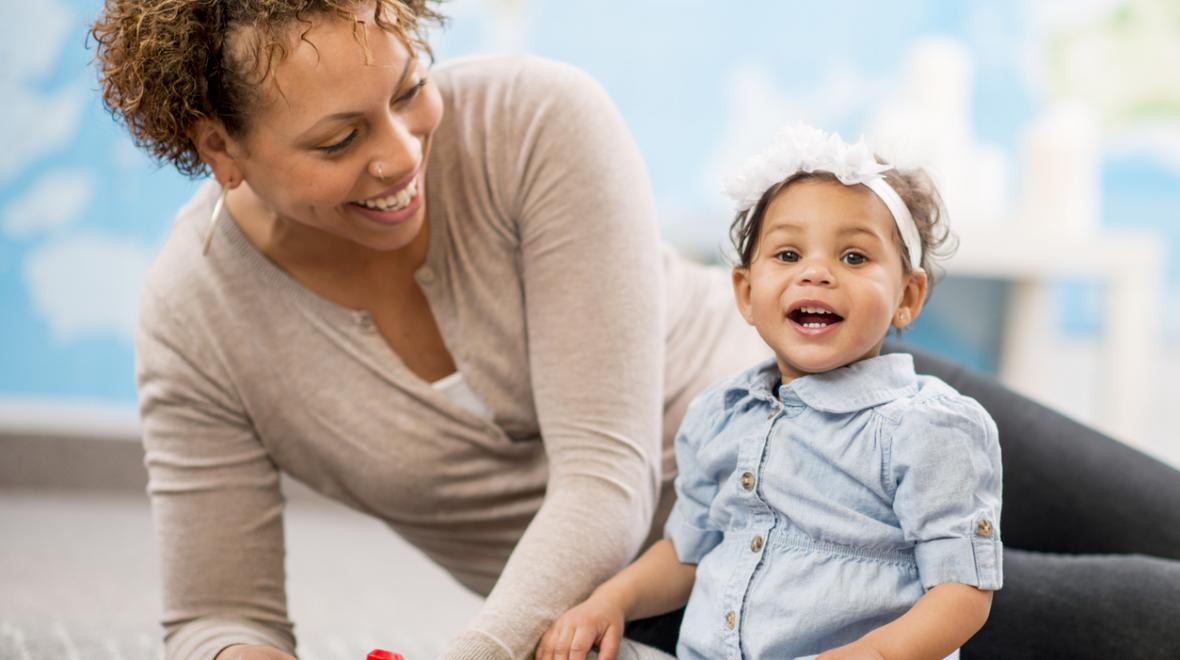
{"x":788,"y":256}
{"x":341,"y":145}
{"x":855,"y":258}
{"x":412,"y":92}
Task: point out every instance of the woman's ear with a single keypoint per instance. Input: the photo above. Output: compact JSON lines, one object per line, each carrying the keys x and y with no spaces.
{"x":218,"y":150}
{"x":912,"y":299}
{"x":741,"y":292}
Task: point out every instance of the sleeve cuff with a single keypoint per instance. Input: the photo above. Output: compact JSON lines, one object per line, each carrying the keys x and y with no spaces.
{"x":474,"y":645}
{"x":691,"y":542}
{"x":203,"y":639}
{"x":977,"y":561}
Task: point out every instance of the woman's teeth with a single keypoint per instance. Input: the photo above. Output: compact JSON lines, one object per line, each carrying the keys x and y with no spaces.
{"x":394,"y":202}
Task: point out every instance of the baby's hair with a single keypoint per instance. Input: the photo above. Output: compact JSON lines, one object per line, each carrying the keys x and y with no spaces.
{"x":164,"y":64}
{"x":915,"y":188}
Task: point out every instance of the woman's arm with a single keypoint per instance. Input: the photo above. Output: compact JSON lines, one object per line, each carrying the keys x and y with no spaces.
{"x":941,"y":621}
{"x":569,"y":176}
{"x":215,"y":498}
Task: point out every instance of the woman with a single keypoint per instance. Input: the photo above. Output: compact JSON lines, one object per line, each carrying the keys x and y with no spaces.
{"x":437,"y":296}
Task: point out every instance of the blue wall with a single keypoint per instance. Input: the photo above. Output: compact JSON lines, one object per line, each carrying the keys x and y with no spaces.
{"x":82,"y":212}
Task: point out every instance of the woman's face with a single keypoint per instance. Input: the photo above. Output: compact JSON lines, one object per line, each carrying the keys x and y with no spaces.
{"x":339,"y":144}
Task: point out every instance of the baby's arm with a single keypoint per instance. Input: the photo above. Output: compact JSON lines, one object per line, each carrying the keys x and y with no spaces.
{"x":655,"y":583}
{"x":941,"y":621}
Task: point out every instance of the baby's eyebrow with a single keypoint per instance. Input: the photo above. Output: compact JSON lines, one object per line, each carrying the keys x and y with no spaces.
{"x":859,"y":230}
{"x":785,"y":227}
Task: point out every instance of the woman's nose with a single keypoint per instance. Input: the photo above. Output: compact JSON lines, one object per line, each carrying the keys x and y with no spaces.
{"x":399,"y":153}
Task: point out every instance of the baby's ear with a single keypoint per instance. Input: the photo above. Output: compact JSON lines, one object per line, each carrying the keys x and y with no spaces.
{"x":741,"y":292}
{"x":912,"y":299}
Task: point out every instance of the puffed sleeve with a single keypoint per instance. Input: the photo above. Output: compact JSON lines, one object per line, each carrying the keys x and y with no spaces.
{"x":591,"y":271}
{"x":215,"y":498}
{"x":688,"y":524}
{"x":945,"y":468}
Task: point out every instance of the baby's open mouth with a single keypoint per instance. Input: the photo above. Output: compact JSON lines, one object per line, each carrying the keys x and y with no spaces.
{"x":814,"y":317}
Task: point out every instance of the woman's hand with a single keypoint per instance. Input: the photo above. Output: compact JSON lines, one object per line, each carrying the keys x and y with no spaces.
{"x":597,"y":621}
{"x":252,"y":652}
{"x":857,"y":650}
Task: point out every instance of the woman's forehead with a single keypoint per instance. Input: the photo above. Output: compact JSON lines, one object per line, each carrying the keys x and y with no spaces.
{"x":336,"y":62}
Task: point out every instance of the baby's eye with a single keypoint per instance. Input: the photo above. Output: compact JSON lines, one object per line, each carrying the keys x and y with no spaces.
{"x":854,"y":258}
{"x":788,"y":256}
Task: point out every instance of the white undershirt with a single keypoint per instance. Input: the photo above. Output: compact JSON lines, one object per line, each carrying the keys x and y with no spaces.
{"x":457,"y":390}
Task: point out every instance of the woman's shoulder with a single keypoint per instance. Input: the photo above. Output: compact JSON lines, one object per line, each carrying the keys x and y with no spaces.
{"x":176,"y":268}
{"x":513,"y":100}
{"x":510,"y":75}
{"x":184,"y":285}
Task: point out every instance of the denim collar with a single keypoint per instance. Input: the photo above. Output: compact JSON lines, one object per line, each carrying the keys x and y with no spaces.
{"x":858,"y":386}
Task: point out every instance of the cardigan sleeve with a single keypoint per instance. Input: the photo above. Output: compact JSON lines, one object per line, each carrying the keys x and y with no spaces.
{"x":215,"y":498}
{"x":591,"y":272}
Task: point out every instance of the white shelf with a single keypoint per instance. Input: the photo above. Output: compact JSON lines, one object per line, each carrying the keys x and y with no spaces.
{"x":1131,"y":266}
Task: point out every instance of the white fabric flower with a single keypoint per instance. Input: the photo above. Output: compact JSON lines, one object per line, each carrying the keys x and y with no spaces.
{"x":801,"y":148}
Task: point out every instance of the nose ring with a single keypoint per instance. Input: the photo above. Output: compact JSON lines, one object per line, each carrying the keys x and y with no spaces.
{"x":380,"y":171}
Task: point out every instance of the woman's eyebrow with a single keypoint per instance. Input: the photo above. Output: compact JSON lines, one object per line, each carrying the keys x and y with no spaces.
{"x":353,"y":114}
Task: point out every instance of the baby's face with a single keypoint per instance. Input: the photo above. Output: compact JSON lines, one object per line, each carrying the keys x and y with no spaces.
{"x":826,"y":281}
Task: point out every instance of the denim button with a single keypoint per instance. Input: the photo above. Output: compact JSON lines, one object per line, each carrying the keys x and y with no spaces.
{"x":756,"y":544}
{"x":731,"y":619}
{"x":984,"y":528}
{"x":748,"y":480}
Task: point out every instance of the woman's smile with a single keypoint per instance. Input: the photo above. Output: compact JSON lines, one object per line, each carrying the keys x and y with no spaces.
{"x":394,"y":205}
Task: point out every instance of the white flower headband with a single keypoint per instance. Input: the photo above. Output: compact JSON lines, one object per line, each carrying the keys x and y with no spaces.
{"x":802,"y":148}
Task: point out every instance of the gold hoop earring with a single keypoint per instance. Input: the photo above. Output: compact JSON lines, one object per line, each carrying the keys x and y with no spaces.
{"x":213,"y":220}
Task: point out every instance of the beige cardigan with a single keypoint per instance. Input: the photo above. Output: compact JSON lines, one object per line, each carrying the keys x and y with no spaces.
{"x":584,"y":337}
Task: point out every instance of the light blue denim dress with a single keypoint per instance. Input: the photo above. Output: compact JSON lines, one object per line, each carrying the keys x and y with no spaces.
{"x":823,"y":513}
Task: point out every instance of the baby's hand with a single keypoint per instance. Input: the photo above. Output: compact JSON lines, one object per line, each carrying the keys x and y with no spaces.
{"x":857,"y":650}
{"x":598,"y":621}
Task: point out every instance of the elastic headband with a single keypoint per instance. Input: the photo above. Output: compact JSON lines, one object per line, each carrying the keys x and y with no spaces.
{"x":802,"y":148}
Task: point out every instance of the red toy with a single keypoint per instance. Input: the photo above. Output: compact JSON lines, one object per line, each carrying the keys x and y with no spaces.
{"x":382,"y":654}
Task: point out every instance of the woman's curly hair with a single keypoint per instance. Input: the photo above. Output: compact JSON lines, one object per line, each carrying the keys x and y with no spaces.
{"x":915,"y":188}
{"x":164,"y":64}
